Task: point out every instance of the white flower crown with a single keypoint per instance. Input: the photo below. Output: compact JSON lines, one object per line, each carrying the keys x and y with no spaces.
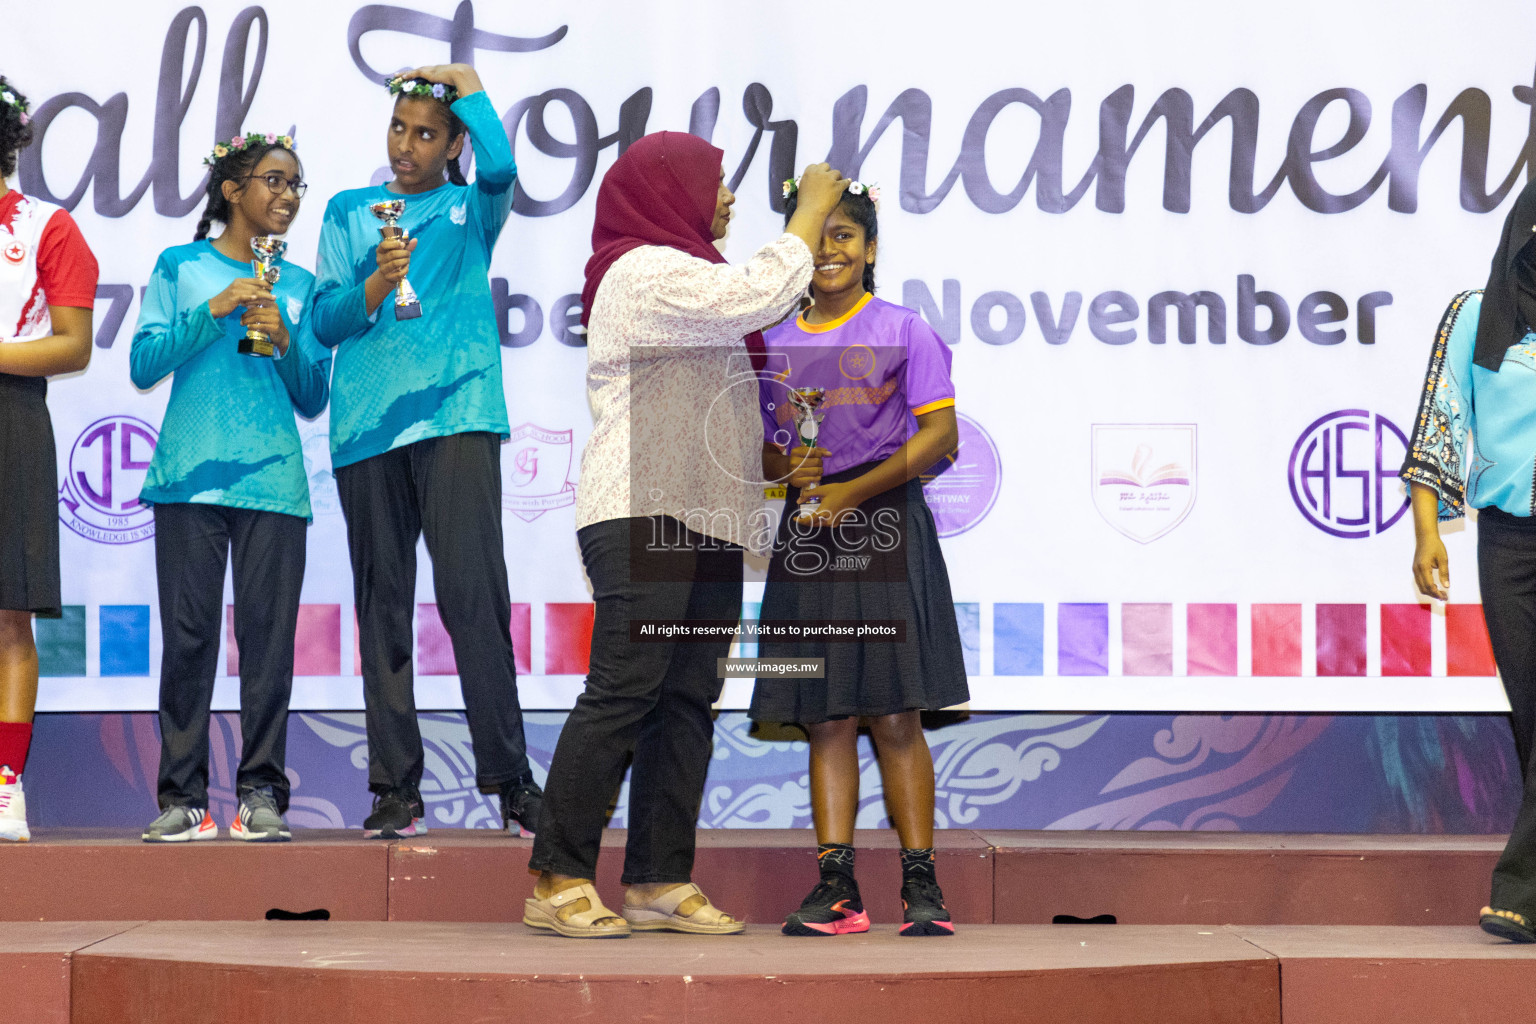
{"x":858,"y":188}
{"x":16,"y":103}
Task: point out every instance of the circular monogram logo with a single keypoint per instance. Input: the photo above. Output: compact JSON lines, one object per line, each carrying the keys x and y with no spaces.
{"x":100,"y":496}
{"x":1343,"y":473}
{"x":962,"y":488}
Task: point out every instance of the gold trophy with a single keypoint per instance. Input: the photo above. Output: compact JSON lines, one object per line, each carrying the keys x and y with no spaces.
{"x":407,"y":305}
{"x":266,"y":253}
{"x":805,"y":402}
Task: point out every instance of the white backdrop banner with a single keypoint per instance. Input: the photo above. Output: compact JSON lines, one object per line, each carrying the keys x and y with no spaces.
{"x":1189,"y":256}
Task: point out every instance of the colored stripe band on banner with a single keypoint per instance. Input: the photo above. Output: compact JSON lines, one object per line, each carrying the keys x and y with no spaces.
{"x":1018,"y":639}
{"x":1212,"y":644}
{"x":968,"y":620}
{"x":61,"y":643}
{"x":1277,"y":639}
{"x":1408,"y":646}
{"x":1341,"y":639}
{"x":1468,"y":651}
{"x":567,"y":638}
{"x":1082,"y":639}
{"x":434,"y":648}
{"x":1405,"y":639}
{"x":1146,"y":639}
{"x":125,"y":640}
{"x":316,"y":641}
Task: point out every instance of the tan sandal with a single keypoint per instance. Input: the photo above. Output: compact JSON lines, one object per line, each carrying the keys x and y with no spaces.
{"x":545,"y":913}
{"x":1507,"y":924}
{"x":661,"y":914}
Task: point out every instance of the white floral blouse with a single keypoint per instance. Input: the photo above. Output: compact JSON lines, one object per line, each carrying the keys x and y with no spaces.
{"x":673,"y":393}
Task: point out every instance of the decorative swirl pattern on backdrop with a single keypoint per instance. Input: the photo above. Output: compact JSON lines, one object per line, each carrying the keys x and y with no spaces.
{"x":1411,"y":773}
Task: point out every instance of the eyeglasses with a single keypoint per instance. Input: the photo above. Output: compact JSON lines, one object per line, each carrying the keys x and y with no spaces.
{"x":277,"y":184}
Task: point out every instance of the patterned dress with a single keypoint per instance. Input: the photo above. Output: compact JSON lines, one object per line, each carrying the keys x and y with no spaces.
{"x":1474,"y":439}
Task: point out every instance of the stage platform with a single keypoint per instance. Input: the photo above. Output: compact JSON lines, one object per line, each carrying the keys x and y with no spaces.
{"x":988,"y":877}
{"x":344,"y":972}
{"x":99,"y":927}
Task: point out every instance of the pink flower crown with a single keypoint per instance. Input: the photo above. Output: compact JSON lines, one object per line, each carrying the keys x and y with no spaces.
{"x":241,"y":142}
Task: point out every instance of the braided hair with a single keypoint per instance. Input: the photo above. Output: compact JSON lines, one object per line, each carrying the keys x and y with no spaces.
{"x":15,"y":131}
{"x":455,"y":129}
{"x":861,"y":210}
{"x":232,"y":166}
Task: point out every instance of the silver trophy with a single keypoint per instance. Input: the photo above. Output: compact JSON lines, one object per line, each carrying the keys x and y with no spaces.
{"x":266,"y":253}
{"x":805,"y":402}
{"x":407,"y":305}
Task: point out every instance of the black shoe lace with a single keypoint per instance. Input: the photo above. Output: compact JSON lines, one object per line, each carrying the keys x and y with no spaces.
{"x":390,"y":797}
{"x":516,"y":801}
{"x":922,"y":890}
{"x":828,"y":892}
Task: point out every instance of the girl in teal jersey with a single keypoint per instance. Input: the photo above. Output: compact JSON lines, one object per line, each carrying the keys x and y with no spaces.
{"x":228,"y":477}
{"x":416,"y":430}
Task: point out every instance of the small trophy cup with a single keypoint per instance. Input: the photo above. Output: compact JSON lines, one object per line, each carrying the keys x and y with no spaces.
{"x":407,"y":305}
{"x":266,"y":253}
{"x":808,"y":424}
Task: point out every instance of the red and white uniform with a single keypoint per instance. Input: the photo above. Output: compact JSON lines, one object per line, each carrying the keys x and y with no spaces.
{"x":44,"y":262}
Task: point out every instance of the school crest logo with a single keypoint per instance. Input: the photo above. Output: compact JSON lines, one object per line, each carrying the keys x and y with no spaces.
{"x":457,"y":214}
{"x":100,"y":496}
{"x":535,"y":471}
{"x":857,"y":362}
{"x":1144,"y":480}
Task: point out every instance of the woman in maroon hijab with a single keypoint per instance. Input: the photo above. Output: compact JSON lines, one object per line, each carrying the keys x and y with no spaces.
{"x":670,"y":495}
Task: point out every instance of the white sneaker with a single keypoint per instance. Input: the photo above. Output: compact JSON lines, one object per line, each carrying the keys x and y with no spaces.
{"x":13,"y":807}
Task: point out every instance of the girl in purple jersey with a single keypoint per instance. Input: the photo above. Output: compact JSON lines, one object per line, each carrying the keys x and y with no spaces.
{"x":869,"y":381}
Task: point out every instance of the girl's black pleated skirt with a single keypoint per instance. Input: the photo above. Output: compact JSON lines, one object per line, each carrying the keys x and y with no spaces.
{"x":29,"y":499}
{"x":888,"y":568}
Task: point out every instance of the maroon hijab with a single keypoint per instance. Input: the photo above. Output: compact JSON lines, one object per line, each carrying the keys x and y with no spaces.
{"x":661,"y":191}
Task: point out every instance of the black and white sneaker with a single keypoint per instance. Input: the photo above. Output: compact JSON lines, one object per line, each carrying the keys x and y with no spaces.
{"x":258,"y":820}
{"x":521,"y":802}
{"x":393,"y":817}
{"x":182,"y":825}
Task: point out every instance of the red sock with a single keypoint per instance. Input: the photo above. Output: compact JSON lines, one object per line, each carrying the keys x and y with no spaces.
{"x":15,"y":739}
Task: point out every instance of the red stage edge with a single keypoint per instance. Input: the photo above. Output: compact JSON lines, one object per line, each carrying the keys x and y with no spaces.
{"x":759,"y":875}
{"x":344,"y":972}
{"x":356,"y":972}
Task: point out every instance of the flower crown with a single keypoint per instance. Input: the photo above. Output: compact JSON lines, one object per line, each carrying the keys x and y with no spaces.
{"x":240,"y":142}
{"x":858,"y":188}
{"x":399,"y":85}
{"x":15,"y":101}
